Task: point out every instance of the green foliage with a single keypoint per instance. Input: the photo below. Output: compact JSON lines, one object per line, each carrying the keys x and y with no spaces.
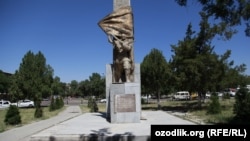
{"x":57,"y":87}
{"x":52,"y":105}
{"x":143,"y":101}
{"x":227,"y":13}
{"x":33,"y":79}
{"x":74,"y":88}
{"x":197,"y":68}
{"x":242,"y":105}
{"x":94,"y":86}
{"x":226,"y":96}
{"x":5,"y":82}
{"x":97,"y":85}
{"x":59,"y":102}
{"x":194,"y":63}
{"x":56,"y":103}
{"x":155,"y":74}
{"x":12,"y":116}
{"x":92,"y":104}
{"x":38,"y":112}
{"x":214,"y":106}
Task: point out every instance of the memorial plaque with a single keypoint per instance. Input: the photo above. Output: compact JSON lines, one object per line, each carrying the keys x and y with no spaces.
{"x":125,"y":103}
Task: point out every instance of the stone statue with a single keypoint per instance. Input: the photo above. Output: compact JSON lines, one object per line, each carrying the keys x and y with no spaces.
{"x":119,"y":28}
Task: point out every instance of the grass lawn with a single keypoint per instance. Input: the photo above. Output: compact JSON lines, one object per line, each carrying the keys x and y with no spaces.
{"x":27,"y":116}
{"x":101,"y":107}
{"x":192,"y":111}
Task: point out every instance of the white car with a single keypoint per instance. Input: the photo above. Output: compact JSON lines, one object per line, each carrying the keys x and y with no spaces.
{"x":181,"y":95}
{"x":4,"y":104}
{"x":219,"y":94}
{"x":103,"y":100}
{"x":24,"y":103}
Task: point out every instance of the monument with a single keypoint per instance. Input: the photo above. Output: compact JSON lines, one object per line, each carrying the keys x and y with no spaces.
{"x":123,"y":86}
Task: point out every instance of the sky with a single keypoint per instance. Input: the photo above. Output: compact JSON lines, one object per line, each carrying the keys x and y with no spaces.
{"x":68,"y":35}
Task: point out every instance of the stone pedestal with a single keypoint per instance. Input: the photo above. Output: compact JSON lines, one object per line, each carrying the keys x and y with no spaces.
{"x":123,"y":99}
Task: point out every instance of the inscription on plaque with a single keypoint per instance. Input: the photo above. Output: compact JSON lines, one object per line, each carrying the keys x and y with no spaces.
{"x":125,"y":103}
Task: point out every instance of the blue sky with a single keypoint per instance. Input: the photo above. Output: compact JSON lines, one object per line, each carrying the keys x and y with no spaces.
{"x":66,"y":32}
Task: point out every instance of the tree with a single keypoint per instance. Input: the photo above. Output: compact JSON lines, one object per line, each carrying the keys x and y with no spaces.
{"x":74,"y":88}
{"x":194,"y":63}
{"x":33,"y":79}
{"x":234,"y":76}
{"x":84,"y":87}
{"x":57,"y":86}
{"x":5,"y":83}
{"x":155,"y":73}
{"x":196,"y":66}
{"x":227,"y":13}
{"x":97,"y":85}
{"x":12,"y":116}
{"x":214,"y":106}
{"x":92,"y":104}
{"x":242,"y":105}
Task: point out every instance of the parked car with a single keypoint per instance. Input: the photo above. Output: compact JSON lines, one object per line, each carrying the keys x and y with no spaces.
{"x":219,"y":94}
{"x":231,"y":91}
{"x":146,"y":97}
{"x":208,"y":95}
{"x":194,"y":96}
{"x":4,"y":104}
{"x":103,"y":100}
{"x":24,"y":103}
{"x":181,"y":95}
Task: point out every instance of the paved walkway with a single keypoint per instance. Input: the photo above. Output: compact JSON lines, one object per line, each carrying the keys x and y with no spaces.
{"x":24,"y":133}
{"x":86,"y":126}
{"x":72,"y":125}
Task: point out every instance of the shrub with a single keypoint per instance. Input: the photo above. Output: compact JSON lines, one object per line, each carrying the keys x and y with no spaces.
{"x":143,"y":101}
{"x":56,"y":103}
{"x":38,"y":112}
{"x":242,"y":105}
{"x":214,"y":106}
{"x":12,"y":116}
{"x":52,"y":106}
{"x":226,"y":96}
{"x":90,"y":101}
{"x":61,"y":102}
{"x":92,"y":105}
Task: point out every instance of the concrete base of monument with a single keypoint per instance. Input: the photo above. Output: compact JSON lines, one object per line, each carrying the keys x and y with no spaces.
{"x":95,"y":127}
{"x":123,"y":99}
{"x":125,"y":103}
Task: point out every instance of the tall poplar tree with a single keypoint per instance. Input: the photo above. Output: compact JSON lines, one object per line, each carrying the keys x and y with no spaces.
{"x":33,"y":79}
{"x":155,"y":73}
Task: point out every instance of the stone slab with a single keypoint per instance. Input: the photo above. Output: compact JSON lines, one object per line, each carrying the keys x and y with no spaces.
{"x":125,"y":90}
{"x":120,"y":3}
{"x":93,"y":126}
{"x":137,"y":80}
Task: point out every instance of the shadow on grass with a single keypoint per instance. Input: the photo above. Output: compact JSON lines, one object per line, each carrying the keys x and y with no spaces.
{"x":238,"y":121}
